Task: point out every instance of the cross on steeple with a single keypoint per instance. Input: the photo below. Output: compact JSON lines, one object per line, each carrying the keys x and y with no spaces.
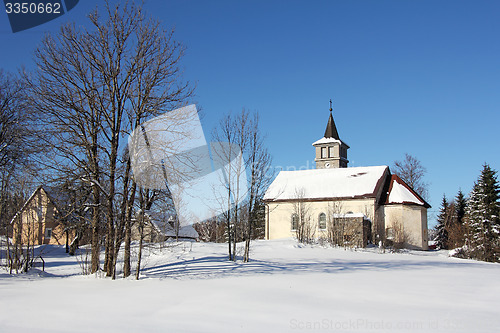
{"x":331,"y":105}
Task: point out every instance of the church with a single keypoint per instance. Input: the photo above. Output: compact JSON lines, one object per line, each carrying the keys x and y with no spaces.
{"x":347,"y":206}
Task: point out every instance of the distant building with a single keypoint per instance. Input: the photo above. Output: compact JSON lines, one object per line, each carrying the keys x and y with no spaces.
{"x":44,"y":219}
{"x":155,"y":228}
{"x":351,"y":205}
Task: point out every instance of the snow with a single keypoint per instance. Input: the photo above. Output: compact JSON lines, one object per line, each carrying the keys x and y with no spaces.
{"x":327,"y":140}
{"x":287,"y":287}
{"x":326,"y":183}
{"x":350,"y":215}
{"x":184,"y":232}
{"x":401,"y":194}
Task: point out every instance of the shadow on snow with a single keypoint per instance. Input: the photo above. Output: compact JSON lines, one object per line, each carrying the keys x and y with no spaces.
{"x":219,"y":266}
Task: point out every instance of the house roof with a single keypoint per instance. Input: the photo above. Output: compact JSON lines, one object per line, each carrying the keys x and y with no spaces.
{"x":60,"y":199}
{"x":162,"y":226}
{"x":327,"y":184}
{"x":401,"y":193}
{"x":39,"y":188}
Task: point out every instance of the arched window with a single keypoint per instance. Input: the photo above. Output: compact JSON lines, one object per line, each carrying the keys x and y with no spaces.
{"x":295,"y":221}
{"x":322,"y":221}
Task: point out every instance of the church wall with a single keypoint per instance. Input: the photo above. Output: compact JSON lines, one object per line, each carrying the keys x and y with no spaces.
{"x":279,"y":215}
{"x":413,"y":220}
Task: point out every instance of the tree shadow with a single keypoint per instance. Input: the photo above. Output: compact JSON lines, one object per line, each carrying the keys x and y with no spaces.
{"x":219,"y":266}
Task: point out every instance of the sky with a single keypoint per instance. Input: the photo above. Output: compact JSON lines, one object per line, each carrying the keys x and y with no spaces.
{"x":417,"y":77}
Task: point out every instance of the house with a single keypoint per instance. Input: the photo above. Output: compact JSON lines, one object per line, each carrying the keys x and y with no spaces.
{"x":354,"y":205}
{"x":43,"y":219}
{"x":156,"y":228}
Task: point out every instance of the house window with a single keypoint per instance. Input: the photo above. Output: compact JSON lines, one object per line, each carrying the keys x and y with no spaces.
{"x":295,"y":221}
{"x":324,"y":153}
{"x":39,"y":212}
{"x":48,"y":233}
{"x":322,"y":221}
{"x":330,"y":151}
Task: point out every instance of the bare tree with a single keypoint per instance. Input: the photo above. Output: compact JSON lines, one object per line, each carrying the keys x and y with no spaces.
{"x":241,"y":133}
{"x":397,"y":236}
{"x":258,"y":164}
{"x":305,"y":229}
{"x":230,"y":139}
{"x":412,"y":172}
{"x":94,"y":85}
{"x":16,"y":146}
{"x":335,"y":232}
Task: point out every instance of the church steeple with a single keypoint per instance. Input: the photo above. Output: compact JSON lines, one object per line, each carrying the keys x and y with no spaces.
{"x":331,"y":152}
{"x":331,"y":129}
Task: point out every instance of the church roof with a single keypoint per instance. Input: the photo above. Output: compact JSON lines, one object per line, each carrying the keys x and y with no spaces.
{"x":331,"y":129}
{"x":400,"y":193}
{"x":327,"y":184}
{"x":331,"y":134}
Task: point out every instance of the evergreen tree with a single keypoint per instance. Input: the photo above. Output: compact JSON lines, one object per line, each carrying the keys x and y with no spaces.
{"x":456,"y":229}
{"x":483,"y":217}
{"x":441,"y":230}
{"x":460,"y":206}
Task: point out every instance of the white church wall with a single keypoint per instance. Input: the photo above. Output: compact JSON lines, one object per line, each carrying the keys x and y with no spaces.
{"x":279,"y":215}
{"x":413,"y":220}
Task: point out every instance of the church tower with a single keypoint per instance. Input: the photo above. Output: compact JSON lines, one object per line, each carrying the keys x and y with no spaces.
{"x":331,"y":152}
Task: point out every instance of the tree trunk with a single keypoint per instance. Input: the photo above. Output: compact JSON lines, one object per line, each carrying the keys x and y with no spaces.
{"x":229,"y":237}
{"x":128,"y":232}
{"x":96,"y":244}
{"x":139,"y":256}
{"x":67,"y":241}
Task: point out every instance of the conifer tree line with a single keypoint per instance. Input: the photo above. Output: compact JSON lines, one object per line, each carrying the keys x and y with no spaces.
{"x":472,"y":225}
{"x":66,"y":124}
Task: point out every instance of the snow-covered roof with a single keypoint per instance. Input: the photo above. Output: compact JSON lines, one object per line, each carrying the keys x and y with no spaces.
{"x":400,"y":192}
{"x":162,"y":225}
{"x":354,"y":182}
{"x":327,"y":140}
{"x":184,"y":232}
{"x":350,"y":215}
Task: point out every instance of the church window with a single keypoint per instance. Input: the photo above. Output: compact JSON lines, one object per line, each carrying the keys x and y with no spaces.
{"x":330,"y":152}
{"x":295,"y":221}
{"x":323,"y":152}
{"x":322,"y":221}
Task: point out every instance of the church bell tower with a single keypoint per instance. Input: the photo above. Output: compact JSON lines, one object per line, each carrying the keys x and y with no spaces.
{"x":331,"y":152}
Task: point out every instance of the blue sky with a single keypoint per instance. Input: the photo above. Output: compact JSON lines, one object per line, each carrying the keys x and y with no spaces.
{"x":418,"y":77}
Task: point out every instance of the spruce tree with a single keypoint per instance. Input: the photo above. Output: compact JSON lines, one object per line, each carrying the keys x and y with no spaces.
{"x":456,"y":229}
{"x":441,"y":228}
{"x":460,"y":206}
{"x":483,"y":217}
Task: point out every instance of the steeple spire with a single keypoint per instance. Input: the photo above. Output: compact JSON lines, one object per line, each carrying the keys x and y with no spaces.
{"x":331,"y":129}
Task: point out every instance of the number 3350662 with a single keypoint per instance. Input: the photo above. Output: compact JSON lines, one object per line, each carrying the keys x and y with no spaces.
{"x":32,"y":8}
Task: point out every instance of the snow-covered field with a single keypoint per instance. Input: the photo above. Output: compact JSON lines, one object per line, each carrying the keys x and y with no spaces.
{"x":191,"y":287}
